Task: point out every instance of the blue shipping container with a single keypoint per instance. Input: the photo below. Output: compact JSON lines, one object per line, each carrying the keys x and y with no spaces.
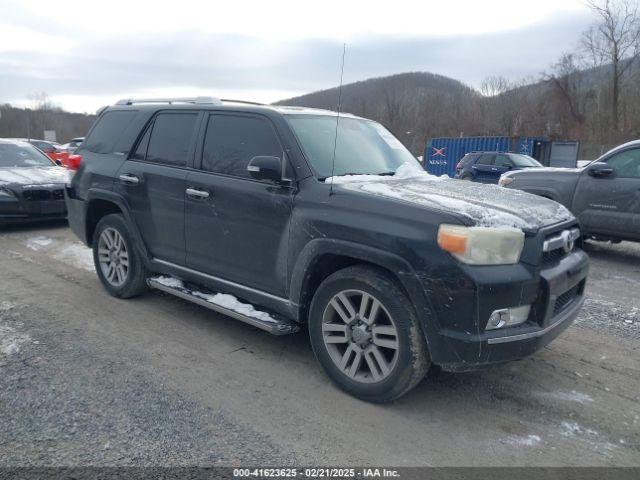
{"x":441,"y":155}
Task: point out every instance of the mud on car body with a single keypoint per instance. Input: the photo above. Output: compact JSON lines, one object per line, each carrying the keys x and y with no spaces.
{"x":390,"y":269}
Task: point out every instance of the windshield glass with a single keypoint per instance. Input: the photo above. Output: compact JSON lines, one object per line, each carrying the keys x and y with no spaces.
{"x":524,"y":161}
{"x":22,"y":155}
{"x":361,"y":147}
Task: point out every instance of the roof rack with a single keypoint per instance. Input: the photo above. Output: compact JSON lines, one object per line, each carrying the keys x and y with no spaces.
{"x":196,"y":100}
{"x":241,"y":101}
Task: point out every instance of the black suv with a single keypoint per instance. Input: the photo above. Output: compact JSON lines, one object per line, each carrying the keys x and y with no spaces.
{"x":282,"y":216}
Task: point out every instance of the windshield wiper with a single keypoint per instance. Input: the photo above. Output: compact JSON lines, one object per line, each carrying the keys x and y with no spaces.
{"x":385,"y":174}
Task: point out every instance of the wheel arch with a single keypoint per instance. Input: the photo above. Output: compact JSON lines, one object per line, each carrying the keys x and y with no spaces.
{"x":322,"y":257}
{"x":104,"y":202}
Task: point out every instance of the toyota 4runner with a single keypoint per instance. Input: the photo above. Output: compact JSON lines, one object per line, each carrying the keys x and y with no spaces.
{"x":286,"y":216}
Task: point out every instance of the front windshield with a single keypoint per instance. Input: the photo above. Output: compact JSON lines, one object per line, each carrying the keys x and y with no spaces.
{"x":361,"y":147}
{"x":22,"y":155}
{"x":525,"y":161}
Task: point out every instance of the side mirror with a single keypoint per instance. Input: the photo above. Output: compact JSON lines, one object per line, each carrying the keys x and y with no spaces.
{"x":599,"y":169}
{"x":265,"y":167}
{"x":58,"y":163}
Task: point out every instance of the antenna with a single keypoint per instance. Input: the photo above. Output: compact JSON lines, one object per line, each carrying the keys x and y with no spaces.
{"x":335,"y":138}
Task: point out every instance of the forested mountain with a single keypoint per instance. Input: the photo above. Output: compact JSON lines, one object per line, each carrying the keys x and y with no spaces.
{"x":566,"y":104}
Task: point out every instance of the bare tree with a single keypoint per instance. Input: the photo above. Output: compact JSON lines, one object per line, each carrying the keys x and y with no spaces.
{"x":570,"y":85}
{"x":614,"y":39}
{"x":41,"y":101}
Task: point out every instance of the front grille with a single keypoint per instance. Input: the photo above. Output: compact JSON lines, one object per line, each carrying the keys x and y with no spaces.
{"x":553,"y":256}
{"x":556,"y":243}
{"x":566,"y":299}
{"x":35,"y":195}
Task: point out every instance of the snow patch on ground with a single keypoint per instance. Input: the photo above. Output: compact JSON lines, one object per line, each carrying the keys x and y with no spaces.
{"x":5,"y":306}
{"x":528,"y":441}
{"x":604,"y":315}
{"x":221,"y":299}
{"x":38,"y":243}
{"x":76,"y":255}
{"x":11,"y":340}
{"x":571,"y":396}
{"x":571,"y":429}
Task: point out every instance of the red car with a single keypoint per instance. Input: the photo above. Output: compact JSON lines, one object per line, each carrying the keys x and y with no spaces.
{"x":60,"y":156}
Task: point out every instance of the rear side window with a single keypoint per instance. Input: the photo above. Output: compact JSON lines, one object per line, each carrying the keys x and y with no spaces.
{"x":503,"y":161}
{"x":486,"y":159}
{"x":467,"y":159}
{"x":232,"y":141}
{"x":108,"y":130}
{"x":171,"y":137}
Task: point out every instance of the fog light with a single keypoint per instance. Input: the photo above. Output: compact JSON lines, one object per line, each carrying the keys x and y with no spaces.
{"x":508,"y":317}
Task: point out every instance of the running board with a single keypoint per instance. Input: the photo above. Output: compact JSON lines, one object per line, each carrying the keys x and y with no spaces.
{"x":277,"y":326}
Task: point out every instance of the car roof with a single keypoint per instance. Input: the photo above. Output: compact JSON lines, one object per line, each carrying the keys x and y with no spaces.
{"x":632,"y":143}
{"x":215,"y":104}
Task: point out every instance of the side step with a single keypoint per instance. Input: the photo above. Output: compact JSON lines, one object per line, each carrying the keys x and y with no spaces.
{"x":276,"y":325}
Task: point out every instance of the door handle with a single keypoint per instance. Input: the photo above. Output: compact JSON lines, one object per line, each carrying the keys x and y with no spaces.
{"x":128,"y":178}
{"x":194,"y":192}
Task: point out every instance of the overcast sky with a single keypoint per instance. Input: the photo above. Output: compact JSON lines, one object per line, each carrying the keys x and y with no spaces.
{"x":85,"y":56}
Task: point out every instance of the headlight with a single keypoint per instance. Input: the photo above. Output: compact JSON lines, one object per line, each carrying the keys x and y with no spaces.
{"x":504,"y":181}
{"x":5,"y":193}
{"x":482,"y":245}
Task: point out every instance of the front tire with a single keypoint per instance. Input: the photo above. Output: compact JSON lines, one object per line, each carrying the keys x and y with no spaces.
{"x":365,"y":335}
{"x":117,"y":262}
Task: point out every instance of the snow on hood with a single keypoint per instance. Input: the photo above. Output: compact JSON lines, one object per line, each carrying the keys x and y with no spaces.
{"x":485,"y":205}
{"x":34,"y":175}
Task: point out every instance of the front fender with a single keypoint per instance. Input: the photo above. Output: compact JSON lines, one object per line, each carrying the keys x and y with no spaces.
{"x":316,"y":248}
{"x":543,"y":192}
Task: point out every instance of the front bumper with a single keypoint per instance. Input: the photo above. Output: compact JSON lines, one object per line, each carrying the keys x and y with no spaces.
{"x":556,"y":295}
{"x":32,"y":203}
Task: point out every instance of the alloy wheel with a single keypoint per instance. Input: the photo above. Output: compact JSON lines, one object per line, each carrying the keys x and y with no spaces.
{"x":360,"y":336}
{"x":113,"y":257}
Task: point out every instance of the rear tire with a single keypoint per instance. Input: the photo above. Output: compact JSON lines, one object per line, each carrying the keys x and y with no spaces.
{"x":366,"y":336}
{"x":117,"y":262}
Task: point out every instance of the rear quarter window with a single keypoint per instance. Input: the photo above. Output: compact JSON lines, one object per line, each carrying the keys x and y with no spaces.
{"x":108,"y":130}
{"x":467,"y":159}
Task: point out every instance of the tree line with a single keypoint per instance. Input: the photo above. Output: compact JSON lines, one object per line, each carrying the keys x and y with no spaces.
{"x":42,"y":114}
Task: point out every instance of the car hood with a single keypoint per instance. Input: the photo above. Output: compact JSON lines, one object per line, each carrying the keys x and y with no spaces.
{"x":484,"y":205}
{"x":33,"y":175}
{"x":544,"y":171}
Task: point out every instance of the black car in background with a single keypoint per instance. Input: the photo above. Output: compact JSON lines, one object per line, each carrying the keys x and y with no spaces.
{"x":31,"y":184}
{"x":487,"y":167}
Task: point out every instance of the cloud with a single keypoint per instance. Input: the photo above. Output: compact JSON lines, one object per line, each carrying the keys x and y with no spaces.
{"x":82,"y":76}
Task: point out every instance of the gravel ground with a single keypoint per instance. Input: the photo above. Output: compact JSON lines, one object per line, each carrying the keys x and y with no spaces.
{"x":86,"y":379}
